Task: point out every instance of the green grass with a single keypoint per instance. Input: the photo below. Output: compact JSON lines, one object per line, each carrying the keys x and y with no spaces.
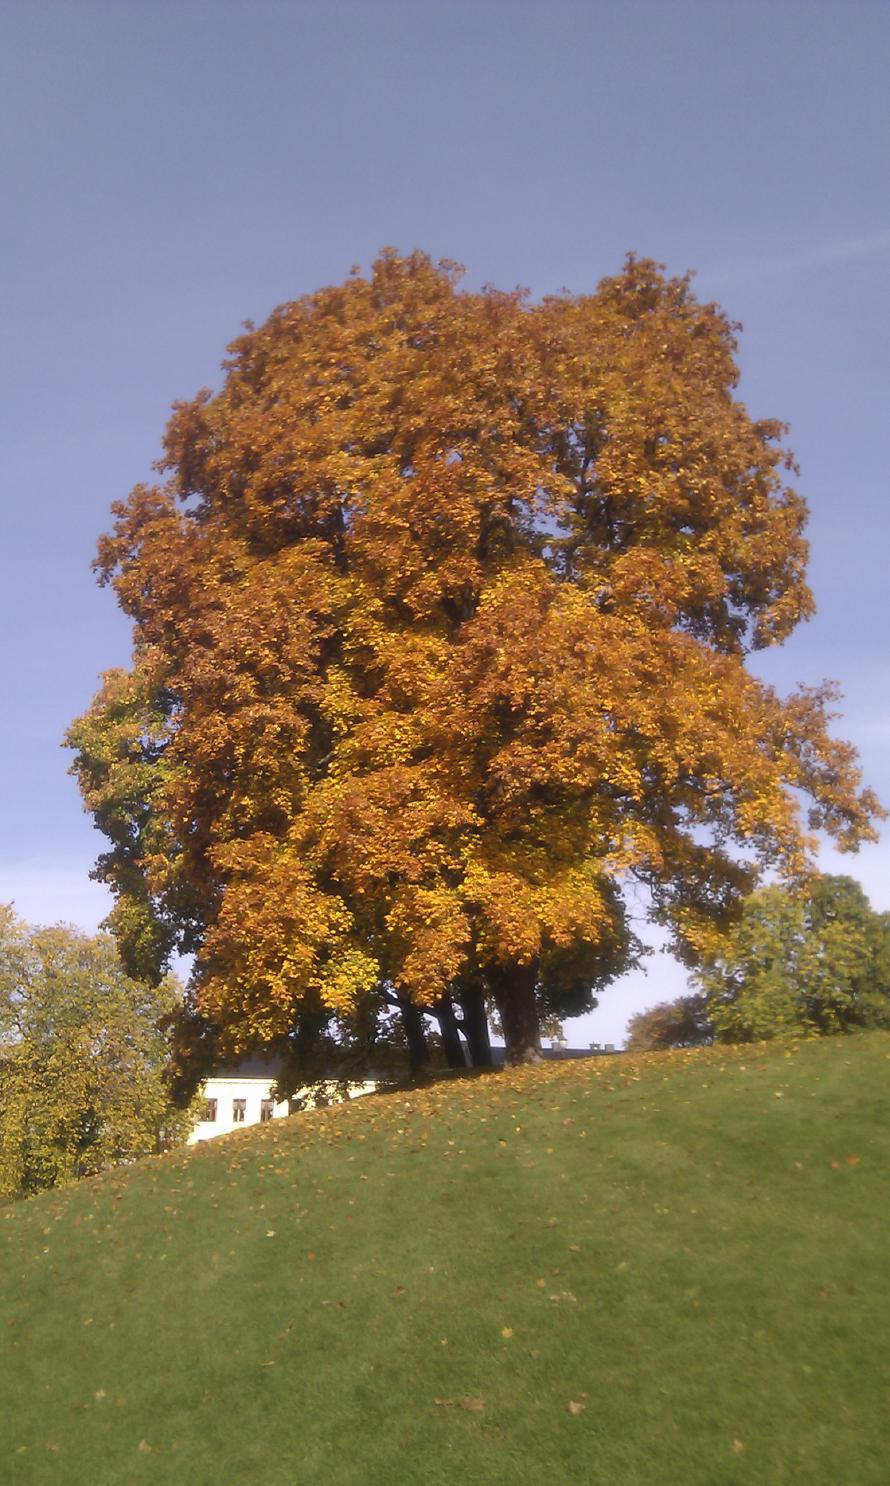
{"x":691,"y":1248}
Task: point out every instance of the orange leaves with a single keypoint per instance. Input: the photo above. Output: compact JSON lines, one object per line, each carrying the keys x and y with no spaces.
{"x":441,"y":620}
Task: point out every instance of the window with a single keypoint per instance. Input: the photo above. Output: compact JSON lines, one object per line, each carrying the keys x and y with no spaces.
{"x":208,"y":1113}
{"x":239,"y":1110}
{"x":267,"y":1110}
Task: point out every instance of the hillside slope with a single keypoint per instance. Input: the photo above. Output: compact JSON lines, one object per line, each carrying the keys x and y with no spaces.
{"x":668,"y":1270}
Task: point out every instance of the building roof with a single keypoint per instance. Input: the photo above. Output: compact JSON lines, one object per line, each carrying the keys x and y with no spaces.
{"x":257,"y":1065}
{"x":268,"y":1066}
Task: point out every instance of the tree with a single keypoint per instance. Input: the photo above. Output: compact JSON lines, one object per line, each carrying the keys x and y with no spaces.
{"x":814,"y":960}
{"x":81,"y":1056}
{"x":441,"y":612}
{"x":684,"y":1022}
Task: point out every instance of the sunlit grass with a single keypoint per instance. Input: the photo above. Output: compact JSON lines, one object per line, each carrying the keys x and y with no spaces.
{"x":667,"y":1270}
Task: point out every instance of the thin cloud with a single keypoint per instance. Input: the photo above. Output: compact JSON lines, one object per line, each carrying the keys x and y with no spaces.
{"x":807,"y":256}
{"x":51,"y":894}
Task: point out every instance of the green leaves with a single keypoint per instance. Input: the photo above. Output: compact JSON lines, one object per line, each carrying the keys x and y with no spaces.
{"x":80,"y":1059}
{"x":811,"y":961}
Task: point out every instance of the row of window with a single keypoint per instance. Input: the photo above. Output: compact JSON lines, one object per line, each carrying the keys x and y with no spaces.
{"x":209,"y":1113}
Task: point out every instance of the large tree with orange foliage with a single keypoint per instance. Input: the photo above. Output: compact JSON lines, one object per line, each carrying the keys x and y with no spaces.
{"x":441,"y":615}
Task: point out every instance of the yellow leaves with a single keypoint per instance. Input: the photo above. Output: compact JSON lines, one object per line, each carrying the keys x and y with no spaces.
{"x":450,"y":640}
{"x":278,"y":939}
{"x":348,"y":974}
{"x":430,"y":935}
{"x":340,"y":705}
{"x":506,"y":904}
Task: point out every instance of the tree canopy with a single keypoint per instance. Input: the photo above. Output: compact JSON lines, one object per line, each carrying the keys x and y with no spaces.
{"x":683,"y":1022}
{"x":811,"y":961}
{"x":81,"y":1058}
{"x":441,"y":608}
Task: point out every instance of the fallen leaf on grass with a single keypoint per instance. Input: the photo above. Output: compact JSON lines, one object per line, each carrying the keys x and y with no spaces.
{"x":738,"y":1447}
{"x":144,"y":1447}
{"x":471,"y":1405}
{"x":574,"y":1407}
{"x":506,"y":1332}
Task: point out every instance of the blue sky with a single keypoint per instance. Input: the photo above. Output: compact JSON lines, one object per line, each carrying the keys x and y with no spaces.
{"x":170,"y":168}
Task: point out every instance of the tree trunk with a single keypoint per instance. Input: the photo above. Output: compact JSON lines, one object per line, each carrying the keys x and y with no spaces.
{"x":452,"y":1046}
{"x":309,"y":1053}
{"x":415,"y":1036}
{"x":513,"y":987}
{"x":475,"y":1023}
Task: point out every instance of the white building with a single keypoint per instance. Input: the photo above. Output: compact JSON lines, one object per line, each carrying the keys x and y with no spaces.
{"x":242,"y":1095}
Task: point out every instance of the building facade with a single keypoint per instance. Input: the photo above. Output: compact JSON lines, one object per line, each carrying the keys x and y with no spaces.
{"x":235,"y":1097}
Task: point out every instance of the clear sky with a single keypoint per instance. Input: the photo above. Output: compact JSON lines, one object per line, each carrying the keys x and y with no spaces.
{"x":170,"y":168}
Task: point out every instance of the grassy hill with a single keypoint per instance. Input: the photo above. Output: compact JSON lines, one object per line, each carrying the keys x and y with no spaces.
{"x":666,"y":1270}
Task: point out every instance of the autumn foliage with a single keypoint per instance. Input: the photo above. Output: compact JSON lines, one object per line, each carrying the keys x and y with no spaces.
{"x":441,"y":611}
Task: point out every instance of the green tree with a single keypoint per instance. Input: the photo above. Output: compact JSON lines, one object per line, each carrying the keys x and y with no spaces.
{"x":815,"y":960}
{"x":441,"y":613}
{"x":684,"y":1022}
{"x":81,"y":1055}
